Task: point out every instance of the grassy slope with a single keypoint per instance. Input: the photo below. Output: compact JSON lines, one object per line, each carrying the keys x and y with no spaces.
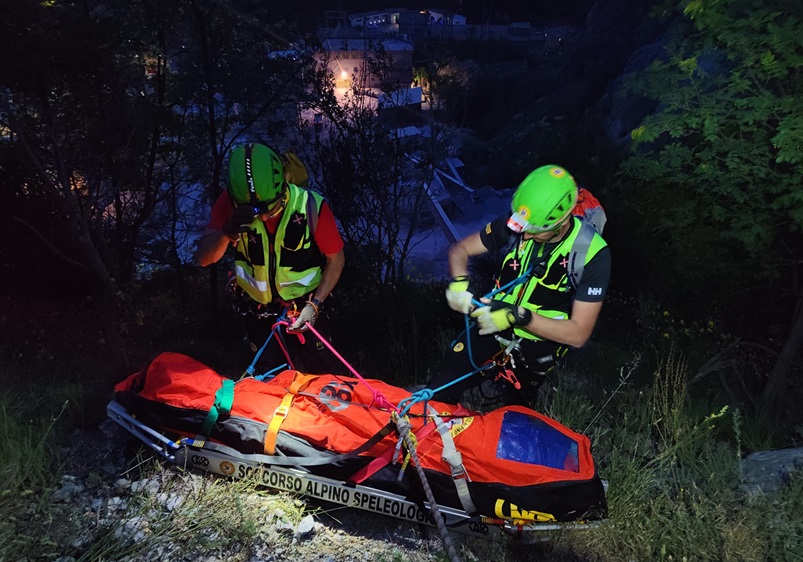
{"x":672,"y":457}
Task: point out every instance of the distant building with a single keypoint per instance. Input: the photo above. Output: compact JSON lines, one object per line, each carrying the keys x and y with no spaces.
{"x":436,"y":23}
{"x":401,"y":108}
{"x":410,"y":97}
{"x":348,"y":61}
{"x":440,"y":17}
{"x":373,"y":19}
{"x":404,"y":22}
{"x":520,"y":28}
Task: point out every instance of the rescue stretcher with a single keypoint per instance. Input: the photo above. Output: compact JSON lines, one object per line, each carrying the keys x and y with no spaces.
{"x":476,"y":492}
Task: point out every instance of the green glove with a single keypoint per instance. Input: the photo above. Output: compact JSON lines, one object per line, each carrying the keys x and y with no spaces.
{"x":500,"y":316}
{"x":458,"y":296}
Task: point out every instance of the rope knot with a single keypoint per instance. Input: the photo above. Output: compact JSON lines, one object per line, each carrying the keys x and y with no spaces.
{"x":378,"y":399}
{"x":403,"y":424}
{"x":423,"y":395}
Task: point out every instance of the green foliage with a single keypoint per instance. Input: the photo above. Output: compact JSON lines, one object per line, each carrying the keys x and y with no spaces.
{"x":715,"y":165}
{"x":672,"y":488}
{"x":778,"y":518}
{"x":32,"y":426}
{"x":25,"y":447}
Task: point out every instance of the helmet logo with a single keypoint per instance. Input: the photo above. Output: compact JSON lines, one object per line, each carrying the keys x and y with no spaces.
{"x":249,"y":173}
{"x":543,"y":200}
{"x":517,"y":222}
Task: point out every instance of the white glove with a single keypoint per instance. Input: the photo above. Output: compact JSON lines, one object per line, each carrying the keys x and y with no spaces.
{"x":308,"y":316}
{"x":458,"y":296}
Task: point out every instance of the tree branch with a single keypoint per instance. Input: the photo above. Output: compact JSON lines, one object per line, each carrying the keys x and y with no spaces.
{"x":50,"y":246}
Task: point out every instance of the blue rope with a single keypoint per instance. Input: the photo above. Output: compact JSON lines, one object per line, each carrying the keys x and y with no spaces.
{"x":518,"y":280}
{"x":468,"y":343}
{"x":268,"y":374}
{"x":426,"y":394}
{"x":251,"y":369}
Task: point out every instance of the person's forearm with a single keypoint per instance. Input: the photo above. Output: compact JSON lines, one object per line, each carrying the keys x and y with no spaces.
{"x":564,"y":331}
{"x":462,"y":251}
{"x":211,"y":247}
{"x":458,"y":260}
{"x":330,"y":275}
{"x":574,"y":330}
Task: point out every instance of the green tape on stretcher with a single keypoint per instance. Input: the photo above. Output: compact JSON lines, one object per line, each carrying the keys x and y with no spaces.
{"x":224,"y":398}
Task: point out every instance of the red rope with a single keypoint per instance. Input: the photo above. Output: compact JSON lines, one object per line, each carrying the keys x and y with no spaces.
{"x":281,"y":343}
{"x":377,"y":398}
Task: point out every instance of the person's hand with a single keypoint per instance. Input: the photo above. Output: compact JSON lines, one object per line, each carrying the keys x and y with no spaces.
{"x":308,"y":315}
{"x":499,"y":316}
{"x":458,"y":296}
{"x":240,"y":221}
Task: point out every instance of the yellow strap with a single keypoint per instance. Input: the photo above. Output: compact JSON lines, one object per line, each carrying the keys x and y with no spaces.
{"x":298,"y":384}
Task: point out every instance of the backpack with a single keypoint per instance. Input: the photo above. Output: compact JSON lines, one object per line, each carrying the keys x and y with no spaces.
{"x":294,"y":170}
{"x":590,"y":210}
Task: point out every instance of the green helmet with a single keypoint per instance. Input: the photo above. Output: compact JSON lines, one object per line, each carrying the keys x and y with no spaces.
{"x":543,"y":201}
{"x":256,"y":175}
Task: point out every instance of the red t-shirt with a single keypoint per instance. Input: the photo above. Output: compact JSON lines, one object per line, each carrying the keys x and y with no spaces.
{"x":327,"y":236}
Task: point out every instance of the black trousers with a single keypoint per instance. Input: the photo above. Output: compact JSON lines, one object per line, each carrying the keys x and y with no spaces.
{"x":530,"y":364}
{"x":311,"y":356}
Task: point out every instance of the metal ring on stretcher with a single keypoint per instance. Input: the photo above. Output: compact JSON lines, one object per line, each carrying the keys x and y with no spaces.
{"x":377,"y":398}
{"x":274,"y":330}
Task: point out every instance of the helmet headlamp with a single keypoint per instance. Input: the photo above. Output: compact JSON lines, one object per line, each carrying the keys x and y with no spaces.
{"x":518,"y":224}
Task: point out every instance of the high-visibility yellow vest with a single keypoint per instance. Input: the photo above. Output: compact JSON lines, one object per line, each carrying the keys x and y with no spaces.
{"x":548,"y":289}
{"x":294,"y":267}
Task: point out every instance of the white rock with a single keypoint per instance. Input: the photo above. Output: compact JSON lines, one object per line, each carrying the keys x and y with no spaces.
{"x":68,"y":489}
{"x":305,"y":526}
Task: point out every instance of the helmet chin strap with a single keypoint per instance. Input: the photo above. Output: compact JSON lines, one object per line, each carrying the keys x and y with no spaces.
{"x":561,"y":232}
{"x":557,"y":234}
{"x":280,"y":206}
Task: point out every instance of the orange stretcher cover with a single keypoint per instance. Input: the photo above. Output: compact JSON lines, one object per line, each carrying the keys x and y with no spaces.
{"x":512,"y":446}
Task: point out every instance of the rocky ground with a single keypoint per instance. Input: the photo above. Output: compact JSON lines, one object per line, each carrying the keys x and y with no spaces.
{"x":115,"y":502}
{"x":94,"y":508}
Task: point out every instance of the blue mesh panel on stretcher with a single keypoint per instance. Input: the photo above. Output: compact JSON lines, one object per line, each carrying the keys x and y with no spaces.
{"x":529,"y":440}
